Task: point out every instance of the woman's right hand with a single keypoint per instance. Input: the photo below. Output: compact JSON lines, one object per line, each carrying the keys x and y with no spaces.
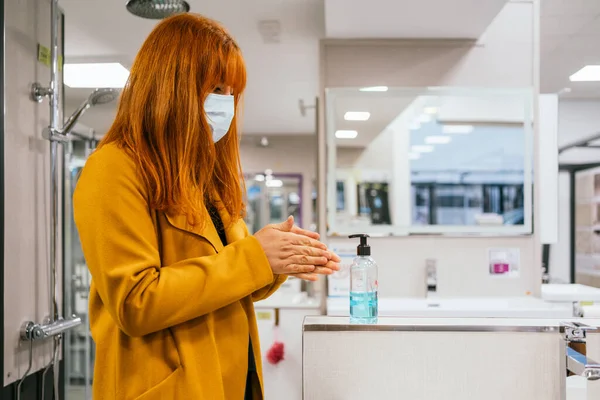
{"x":291,"y":253}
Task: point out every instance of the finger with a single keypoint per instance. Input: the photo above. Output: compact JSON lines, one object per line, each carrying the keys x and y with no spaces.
{"x":323,"y":271}
{"x":302,"y":259}
{"x":300,"y":240}
{"x":332,"y":266}
{"x":312,"y":251}
{"x":299,"y":231}
{"x":334,"y":257}
{"x":307,"y":277}
{"x":298,"y":268}
{"x":285,"y":226}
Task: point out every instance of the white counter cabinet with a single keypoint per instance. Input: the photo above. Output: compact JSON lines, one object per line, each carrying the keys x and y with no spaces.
{"x":443,"y":359}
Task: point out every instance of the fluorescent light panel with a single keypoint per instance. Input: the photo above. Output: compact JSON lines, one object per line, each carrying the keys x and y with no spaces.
{"x":274,"y":183}
{"x":414,"y":156}
{"x":357,"y":116}
{"x":589,"y":73}
{"x":419,"y":148}
{"x":457,"y":129}
{"x":95,"y":75}
{"x":345,"y":134}
{"x":374,"y":89}
{"x":438,"y":139}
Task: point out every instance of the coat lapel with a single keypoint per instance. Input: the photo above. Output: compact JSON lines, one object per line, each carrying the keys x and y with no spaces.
{"x":233,"y":232}
{"x":208,"y":231}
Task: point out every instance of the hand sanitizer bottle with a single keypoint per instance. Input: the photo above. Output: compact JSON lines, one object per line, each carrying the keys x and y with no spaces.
{"x":363,"y":285}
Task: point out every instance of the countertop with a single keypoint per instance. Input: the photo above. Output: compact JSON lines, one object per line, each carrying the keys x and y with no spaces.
{"x":475,"y":307}
{"x":289,"y":301}
{"x":570,"y":293}
{"x":316,"y":323}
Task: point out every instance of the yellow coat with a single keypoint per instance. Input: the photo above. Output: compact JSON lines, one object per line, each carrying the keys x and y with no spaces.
{"x":171,"y":309}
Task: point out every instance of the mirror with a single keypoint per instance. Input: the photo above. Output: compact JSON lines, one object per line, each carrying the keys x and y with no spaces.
{"x":429,"y":161}
{"x":272,"y":198}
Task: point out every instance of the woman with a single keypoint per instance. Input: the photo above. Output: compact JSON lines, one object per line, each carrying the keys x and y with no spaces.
{"x":159,"y":209}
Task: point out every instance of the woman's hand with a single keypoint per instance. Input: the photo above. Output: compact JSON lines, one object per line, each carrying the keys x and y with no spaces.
{"x":294,"y":251}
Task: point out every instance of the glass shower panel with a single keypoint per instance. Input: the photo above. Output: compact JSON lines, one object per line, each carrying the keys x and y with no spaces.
{"x":78,"y":343}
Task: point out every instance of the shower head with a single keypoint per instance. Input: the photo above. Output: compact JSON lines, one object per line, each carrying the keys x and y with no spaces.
{"x":98,"y":96}
{"x":102,"y":96}
{"x":157,"y":9}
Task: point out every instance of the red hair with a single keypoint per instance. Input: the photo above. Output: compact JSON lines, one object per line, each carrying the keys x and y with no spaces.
{"x":161,"y":122}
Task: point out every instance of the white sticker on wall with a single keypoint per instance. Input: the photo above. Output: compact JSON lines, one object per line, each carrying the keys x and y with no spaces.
{"x":338,"y":284}
{"x":504,"y":262}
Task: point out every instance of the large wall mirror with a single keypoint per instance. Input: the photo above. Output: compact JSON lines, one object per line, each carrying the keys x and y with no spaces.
{"x":272,"y":198}
{"x":429,"y":161}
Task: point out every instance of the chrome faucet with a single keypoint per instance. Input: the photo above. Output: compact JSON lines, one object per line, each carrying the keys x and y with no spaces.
{"x":430,"y":276}
{"x":577,"y":362}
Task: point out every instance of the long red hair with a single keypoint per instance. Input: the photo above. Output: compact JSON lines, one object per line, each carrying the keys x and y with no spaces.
{"x":161,"y":122}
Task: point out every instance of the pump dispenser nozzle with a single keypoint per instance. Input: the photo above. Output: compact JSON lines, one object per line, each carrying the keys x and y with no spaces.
{"x":363,"y":248}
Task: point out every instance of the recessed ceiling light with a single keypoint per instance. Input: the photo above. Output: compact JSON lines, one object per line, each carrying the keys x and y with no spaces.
{"x":357,"y":116}
{"x":374,"y":89}
{"x":414,"y":156}
{"x":415,"y":125}
{"x":259,"y":178}
{"x":589,"y":73}
{"x":274,"y":183}
{"x":95,"y":75}
{"x":431,"y":110}
{"x":419,"y":148}
{"x":424,"y":118}
{"x":344,"y":134}
{"x":457,"y":129}
{"x":438,"y":139}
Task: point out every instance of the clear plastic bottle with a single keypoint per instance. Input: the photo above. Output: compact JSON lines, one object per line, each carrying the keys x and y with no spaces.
{"x":363,"y":285}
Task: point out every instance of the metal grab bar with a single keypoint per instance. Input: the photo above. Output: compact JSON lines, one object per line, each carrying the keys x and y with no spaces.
{"x":33,"y":331}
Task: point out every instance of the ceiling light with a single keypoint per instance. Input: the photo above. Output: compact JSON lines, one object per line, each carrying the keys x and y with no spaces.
{"x":357,"y":116}
{"x":457,"y":129}
{"x":96,"y":75}
{"x":374,"y":89}
{"x":589,"y":73}
{"x":431,"y":110}
{"x":424,"y":118}
{"x":414,"y":156}
{"x":422,"y":148}
{"x":438,"y":139}
{"x":274,"y":183}
{"x":414,"y":126}
{"x":343,"y":134}
{"x":259,"y":178}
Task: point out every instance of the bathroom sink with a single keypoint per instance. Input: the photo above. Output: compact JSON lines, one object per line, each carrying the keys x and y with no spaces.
{"x":519,"y":307}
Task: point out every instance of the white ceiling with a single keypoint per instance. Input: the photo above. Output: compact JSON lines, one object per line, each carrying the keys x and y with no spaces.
{"x":383,"y":109}
{"x":458,"y":19}
{"x":282,"y":73}
{"x":279,"y":74}
{"x":570,"y":33}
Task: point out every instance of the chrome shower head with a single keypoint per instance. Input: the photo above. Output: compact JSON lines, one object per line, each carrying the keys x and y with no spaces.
{"x":98,"y":96}
{"x":157,"y":9}
{"x":102,"y":96}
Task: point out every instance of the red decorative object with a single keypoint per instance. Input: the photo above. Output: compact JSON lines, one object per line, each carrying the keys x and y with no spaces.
{"x":275,"y":353}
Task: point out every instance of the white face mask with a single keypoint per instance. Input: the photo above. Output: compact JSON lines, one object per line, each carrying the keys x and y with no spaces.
{"x":219,"y":110}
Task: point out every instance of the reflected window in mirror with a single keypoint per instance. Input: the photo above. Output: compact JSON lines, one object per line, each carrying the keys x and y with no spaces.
{"x":271,"y":198}
{"x":432,"y":160}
